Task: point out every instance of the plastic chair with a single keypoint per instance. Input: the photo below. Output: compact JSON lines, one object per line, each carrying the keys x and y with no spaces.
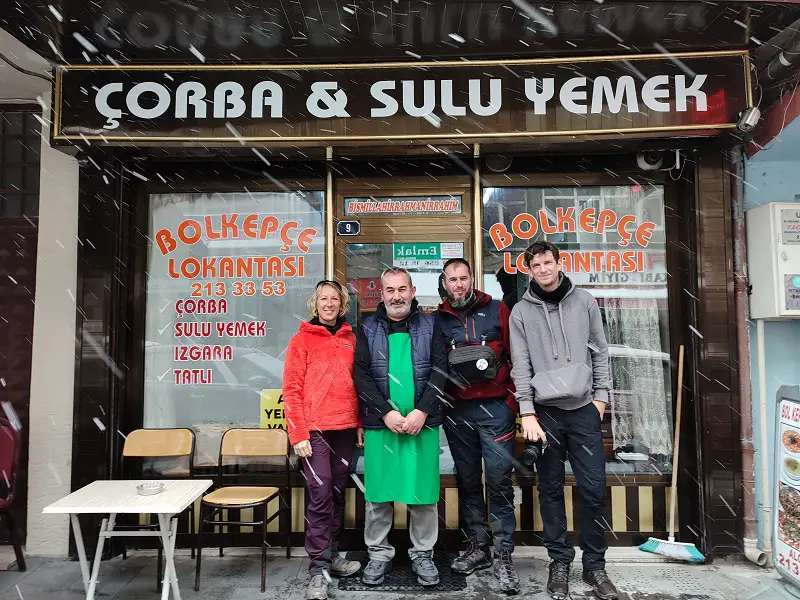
{"x":10,"y":444}
{"x":247,"y":443}
{"x":162,"y":443}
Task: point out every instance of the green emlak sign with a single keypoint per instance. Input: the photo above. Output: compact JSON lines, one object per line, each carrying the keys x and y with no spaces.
{"x":423,"y":251}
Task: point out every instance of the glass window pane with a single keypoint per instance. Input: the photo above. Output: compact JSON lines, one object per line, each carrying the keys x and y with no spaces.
{"x":12,"y":205}
{"x":224,"y":297}
{"x":617,"y":253}
{"x":13,"y":149}
{"x":13,"y":123}
{"x":30,"y":205}
{"x":12,"y":178}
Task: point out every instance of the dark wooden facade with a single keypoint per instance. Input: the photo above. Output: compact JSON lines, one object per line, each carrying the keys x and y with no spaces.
{"x":111,"y":294}
{"x":20,"y":146}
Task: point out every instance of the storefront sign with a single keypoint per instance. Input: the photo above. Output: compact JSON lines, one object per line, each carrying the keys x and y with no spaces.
{"x":790,"y":226}
{"x":406,"y":205}
{"x":402,"y":101}
{"x":427,"y":255}
{"x":272,"y":414}
{"x":786,"y":516}
{"x":632,"y":234}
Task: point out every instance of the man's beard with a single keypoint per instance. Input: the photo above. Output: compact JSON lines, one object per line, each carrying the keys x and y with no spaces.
{"x":398,"y":311}
{"x":461,"y":302}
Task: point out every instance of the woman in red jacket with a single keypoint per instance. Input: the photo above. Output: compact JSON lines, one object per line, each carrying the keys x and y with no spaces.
{"x":322,"y":417}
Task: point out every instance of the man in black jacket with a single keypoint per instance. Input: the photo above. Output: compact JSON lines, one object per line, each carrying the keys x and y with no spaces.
{"x":400,"y":371}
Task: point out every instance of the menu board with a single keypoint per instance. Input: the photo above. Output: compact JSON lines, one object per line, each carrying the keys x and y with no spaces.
{"x":786,"y":516}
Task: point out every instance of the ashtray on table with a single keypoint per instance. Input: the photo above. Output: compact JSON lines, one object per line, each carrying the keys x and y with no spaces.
{"x":150,"y":488}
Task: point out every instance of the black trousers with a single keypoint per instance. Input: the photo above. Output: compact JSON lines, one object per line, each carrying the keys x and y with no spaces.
{"x":573,"y":435}
{"x":483,"y":431}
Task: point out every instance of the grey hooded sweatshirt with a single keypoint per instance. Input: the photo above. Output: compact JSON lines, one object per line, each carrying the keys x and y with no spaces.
{"x":558,"y":352}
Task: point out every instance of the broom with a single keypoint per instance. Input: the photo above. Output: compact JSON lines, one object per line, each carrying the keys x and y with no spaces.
{"x":670,"y":548}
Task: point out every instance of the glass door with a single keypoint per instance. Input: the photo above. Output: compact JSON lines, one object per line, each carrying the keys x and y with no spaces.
{"x":364,"y":264}
{"x":413,"y":225}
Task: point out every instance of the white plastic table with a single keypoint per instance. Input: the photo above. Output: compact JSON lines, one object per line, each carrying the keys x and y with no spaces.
{"x":120,"y":497}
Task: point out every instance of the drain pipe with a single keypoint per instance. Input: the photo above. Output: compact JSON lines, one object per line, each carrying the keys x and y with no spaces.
{"x":740,"y":288}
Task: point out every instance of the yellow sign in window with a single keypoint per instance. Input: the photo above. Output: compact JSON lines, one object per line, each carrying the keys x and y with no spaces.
{"x":272,"y":415}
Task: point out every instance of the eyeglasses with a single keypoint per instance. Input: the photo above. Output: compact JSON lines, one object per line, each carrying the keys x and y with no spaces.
{"x":334,"y":284}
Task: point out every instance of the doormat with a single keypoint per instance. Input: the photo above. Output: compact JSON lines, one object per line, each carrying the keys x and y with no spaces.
{"x":402,"y":579}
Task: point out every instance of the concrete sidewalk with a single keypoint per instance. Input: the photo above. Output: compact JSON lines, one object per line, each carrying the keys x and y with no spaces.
{"x":236,"y":577}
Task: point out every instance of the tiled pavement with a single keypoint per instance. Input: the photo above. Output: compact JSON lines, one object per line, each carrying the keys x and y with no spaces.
{"x":236,"y":577}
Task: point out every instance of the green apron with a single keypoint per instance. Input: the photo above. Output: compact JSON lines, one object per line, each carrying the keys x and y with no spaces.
{"x":401,"y":467}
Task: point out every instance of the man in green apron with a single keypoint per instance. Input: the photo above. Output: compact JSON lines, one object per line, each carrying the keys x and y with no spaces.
{"x":400,"y":371}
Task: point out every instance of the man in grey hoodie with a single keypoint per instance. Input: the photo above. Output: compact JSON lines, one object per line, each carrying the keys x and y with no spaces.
{"x":562,"y":377}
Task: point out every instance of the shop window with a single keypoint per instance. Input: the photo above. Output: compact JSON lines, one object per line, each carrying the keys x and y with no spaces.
{"x":228,"y":277}
{"x":613,"y":244}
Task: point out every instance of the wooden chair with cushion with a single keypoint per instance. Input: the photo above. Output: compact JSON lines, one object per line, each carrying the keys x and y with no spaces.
{"x":265,"y":448}
{"x":155,"y":444}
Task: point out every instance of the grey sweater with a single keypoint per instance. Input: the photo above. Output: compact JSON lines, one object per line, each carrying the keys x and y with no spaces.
{"x":558,"y":352}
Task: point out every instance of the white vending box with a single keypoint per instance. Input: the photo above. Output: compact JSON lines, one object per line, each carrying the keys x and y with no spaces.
{"x":773,"y":260}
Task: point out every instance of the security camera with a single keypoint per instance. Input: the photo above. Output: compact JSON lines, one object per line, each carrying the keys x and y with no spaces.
{"x":649,"y":160}
{"x":748,"y":119}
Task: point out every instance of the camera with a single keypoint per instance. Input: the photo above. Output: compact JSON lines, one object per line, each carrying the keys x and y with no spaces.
{"x":748,"y":119}
{"x":532,"y":453}
{"x":650,"y":160}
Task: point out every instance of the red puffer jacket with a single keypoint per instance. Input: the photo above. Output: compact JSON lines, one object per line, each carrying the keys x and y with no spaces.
{"x":318,"y":389}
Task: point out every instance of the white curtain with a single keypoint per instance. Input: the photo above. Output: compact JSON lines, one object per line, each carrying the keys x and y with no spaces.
{"x":641,"y":402}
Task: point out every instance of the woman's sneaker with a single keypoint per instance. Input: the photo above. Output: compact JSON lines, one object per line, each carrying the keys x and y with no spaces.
{"x":341,"y":567}
{"x":473,"y":557}
{"x":317,"y":588}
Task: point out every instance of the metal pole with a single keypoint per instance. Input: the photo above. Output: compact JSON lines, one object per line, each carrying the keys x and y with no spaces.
{"x":477,"y":218}
{"x":740,"y":285}
{"x":330,"y":242}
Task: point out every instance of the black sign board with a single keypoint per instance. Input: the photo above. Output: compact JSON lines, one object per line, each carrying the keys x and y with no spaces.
{"x":348,"y":228}
{"x":415,"y":102}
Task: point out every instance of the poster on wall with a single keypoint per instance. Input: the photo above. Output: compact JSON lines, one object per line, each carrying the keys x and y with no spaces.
{"x":786,"y":516}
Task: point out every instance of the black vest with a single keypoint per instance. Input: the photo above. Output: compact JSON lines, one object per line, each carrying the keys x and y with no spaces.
{"x":376,"y":330}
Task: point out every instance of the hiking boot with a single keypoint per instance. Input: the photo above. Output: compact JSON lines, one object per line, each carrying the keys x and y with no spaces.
{"x":558,"y":580}
{"x":341,"y":567}
{"x":375,"y":571}
{"x":601,"y":584}
{"x":427,"y":573}
{"x":473,"y":557}
{"x":504,"y":570}
{"x":317,"y":588}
